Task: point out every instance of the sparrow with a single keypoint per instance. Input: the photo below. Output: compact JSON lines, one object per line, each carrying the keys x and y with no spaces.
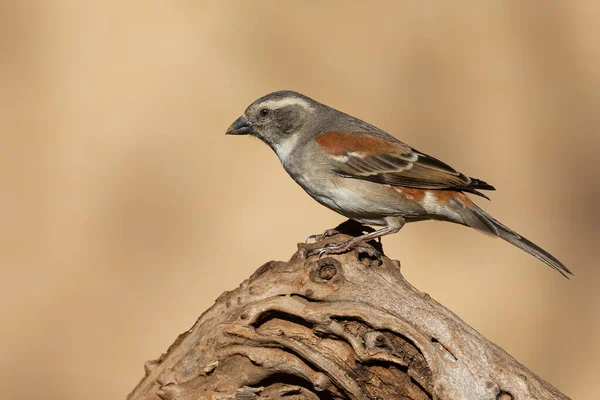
{"x":366,"y":174}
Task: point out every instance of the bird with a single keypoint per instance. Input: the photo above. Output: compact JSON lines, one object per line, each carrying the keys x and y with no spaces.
{"x":368,"y":175}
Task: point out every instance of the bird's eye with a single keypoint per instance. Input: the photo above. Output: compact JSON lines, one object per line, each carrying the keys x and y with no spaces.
{"x":264,"y":112}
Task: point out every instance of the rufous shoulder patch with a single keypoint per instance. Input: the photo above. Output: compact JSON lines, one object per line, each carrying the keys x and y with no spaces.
{"x":409,"y":193}
{"x":339,"y":143}
{"x":441,"y":197}
{"x":444,"y":197}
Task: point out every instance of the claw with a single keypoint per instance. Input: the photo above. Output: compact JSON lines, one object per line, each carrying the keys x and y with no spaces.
{"x":370,"y":251}
{"x":321,"y":236}
{"x":369,"y":256}
{"x":321,"y":251}
{"x":331,"y":248}
{"x":312,"y":237}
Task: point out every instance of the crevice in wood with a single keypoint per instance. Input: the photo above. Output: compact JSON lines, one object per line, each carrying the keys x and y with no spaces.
{"x":280,"y":315}
{"x":279,"y":378}
{"x":437,"y":342}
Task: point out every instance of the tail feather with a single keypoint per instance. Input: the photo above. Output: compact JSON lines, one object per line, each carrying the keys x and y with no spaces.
{"x":475,"y":186}
{"x":485,"y":223}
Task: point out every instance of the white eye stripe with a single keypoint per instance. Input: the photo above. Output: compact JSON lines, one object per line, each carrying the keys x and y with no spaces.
{"x":288,"y":101}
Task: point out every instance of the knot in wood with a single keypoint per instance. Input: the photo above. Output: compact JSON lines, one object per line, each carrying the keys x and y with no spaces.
{"x":327,"y":268}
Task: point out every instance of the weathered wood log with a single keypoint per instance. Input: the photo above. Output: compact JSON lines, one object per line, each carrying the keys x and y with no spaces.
{"x":345,"y":326}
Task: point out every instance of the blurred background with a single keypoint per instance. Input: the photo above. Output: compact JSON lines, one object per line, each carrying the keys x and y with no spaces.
{"x":125,"y":210}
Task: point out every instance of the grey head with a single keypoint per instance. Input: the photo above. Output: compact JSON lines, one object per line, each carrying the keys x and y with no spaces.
{"x":277,"y":119}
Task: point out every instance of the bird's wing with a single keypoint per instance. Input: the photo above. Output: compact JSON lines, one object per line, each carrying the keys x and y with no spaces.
{"x":394,"y":163}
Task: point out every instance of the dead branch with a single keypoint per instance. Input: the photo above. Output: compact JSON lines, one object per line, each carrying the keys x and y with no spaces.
{"x":347,"y":327}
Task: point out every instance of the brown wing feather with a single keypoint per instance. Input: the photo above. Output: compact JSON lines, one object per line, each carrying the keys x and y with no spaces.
{"x":393,"y":163}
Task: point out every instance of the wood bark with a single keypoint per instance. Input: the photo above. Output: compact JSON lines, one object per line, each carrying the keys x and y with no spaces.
{"x":343,"y":326}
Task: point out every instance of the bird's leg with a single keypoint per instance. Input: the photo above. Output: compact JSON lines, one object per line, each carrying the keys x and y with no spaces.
{"x":394,"y":224}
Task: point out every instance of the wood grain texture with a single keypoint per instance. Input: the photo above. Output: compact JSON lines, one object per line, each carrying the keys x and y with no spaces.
{"x":347,"y":327}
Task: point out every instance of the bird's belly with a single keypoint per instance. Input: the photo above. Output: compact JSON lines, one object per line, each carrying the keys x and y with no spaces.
{"x":357,"y":199}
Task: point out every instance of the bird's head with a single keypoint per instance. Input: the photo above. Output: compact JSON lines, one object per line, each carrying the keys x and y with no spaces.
{"x":276,"y":119}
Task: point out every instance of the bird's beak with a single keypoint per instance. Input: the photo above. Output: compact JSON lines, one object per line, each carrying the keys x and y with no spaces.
{"x":241,"y":126}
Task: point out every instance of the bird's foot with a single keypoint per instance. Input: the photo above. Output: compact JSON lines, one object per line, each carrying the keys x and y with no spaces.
{"x":321,"y":236}
{"x":333,"y":248}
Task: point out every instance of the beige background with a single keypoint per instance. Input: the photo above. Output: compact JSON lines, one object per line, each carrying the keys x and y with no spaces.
{"x":125,"y":211}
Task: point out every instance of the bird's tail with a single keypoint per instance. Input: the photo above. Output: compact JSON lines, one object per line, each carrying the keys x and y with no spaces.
{"x":476,"y":218}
